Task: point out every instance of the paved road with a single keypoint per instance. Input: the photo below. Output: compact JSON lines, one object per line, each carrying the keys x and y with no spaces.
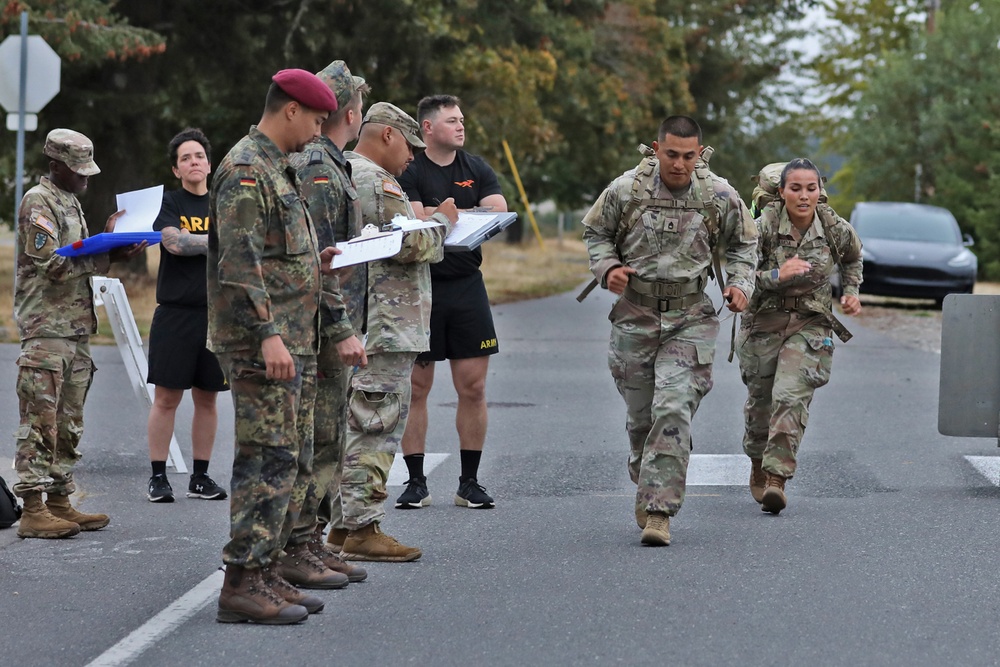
{"x":884,"y":557}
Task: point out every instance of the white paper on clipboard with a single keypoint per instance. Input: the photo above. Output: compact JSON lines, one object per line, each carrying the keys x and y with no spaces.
{"x":367,"y":248}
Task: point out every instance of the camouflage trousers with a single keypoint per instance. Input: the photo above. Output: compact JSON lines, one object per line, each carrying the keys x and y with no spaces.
{"x":378,"y":406}
{"x":53,"y":378}
{"x":272,"y":462}
{"x":662,"y":367}
{"x":781,"y":372}
{"x":322,"y":503}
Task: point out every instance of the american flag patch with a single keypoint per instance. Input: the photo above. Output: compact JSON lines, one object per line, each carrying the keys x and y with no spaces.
{"x":45,"y":224}
{"x":249,"y":182}
{"x":321,"y":179}
{"x":392,"y":188}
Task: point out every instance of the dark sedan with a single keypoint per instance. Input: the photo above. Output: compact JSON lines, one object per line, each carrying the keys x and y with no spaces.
{"x":913,"y":250}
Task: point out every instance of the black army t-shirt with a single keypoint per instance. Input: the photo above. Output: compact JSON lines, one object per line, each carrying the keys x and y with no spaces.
{"x":181,"y":279}
{"x":468,"y":179}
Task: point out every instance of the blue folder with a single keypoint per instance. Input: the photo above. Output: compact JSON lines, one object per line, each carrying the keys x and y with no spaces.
{"x":105,"y":241}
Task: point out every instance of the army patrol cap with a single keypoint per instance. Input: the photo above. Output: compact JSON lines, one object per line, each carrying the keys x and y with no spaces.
{"x":384,"y":113}
{"x":73,"y":149}
{"x":341,"y":81}
{"x":306,"y":88}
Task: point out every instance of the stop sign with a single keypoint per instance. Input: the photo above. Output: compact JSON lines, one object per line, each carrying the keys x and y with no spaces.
{"x":43,"y":74}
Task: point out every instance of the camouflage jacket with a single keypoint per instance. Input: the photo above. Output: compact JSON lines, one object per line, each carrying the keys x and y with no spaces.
{"x":668,"y":244}
{"x":780,"y":241}
{"x":399,"y":288}
{"x":263,"y":262}
{"x":53,"y":296}
{"x":335,"y":209}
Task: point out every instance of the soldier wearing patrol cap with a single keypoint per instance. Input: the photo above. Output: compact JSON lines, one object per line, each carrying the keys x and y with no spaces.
{"x":54,"y":309}
{"x":398,"y":320}
{"x":263,"y":317}
{"x":336,"y":211}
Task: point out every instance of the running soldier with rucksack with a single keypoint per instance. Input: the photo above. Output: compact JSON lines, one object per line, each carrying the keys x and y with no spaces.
{"x":652,"y":237}
{"x":785,"y":342}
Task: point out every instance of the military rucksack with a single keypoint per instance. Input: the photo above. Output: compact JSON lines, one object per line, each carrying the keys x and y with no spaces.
{"x":766,"y":190}
{"x":10,"y":510}
{"x":645,"y":172}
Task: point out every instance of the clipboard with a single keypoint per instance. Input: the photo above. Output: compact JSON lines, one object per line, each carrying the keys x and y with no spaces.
{"x":474,"y":227}
{"x":106,"y":241}
{"x":367,"y":249}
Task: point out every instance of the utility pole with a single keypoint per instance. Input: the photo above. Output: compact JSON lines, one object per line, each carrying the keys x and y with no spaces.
{"x":932,"y":9}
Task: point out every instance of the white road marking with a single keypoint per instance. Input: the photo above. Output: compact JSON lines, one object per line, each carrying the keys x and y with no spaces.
{"x":162,"y":624}
{"x":987,"y":466}
{"x":718,"y":470}
{"x":398,"y":473}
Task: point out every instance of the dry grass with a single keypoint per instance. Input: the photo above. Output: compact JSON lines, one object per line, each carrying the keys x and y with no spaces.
{"x":513,"y":273}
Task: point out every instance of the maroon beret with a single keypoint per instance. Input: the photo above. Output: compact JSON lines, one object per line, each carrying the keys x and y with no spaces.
{"x":306,"y":88}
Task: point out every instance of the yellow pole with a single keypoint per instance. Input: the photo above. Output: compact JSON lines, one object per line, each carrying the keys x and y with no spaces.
{"x":524,"y":195}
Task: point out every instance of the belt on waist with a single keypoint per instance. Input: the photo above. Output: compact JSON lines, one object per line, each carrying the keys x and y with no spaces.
{"x":662,"y":305}
{"x":664,"y":290}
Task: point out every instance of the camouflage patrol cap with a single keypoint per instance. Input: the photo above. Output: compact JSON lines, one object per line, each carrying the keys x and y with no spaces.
{"x":73,"y":149}
{"x":384,"y":113}
{"x":341,"y":81}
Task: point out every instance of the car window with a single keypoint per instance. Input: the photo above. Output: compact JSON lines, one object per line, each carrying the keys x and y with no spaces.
{"x":922,"y":225}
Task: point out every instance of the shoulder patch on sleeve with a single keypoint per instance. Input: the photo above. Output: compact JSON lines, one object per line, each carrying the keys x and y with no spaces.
{"x":44,"y":223}
{"x":321,"y":180}
{"x":392,"y":188}
{"x":248,"y":182}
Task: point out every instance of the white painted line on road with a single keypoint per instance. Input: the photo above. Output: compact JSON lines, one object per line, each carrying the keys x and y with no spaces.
{"x":987,"y":466}
{"x":718,"y":470}
{"x":162,"y":624}
{"x":398,"y":474}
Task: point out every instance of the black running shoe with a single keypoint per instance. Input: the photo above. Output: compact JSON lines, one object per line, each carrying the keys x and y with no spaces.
{"x":203,"y":486}
{"x":415,"y":496}
{"x":470,"y":494}
{"x":159,"y":490}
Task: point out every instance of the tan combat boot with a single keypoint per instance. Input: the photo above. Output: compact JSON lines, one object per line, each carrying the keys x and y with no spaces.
{"x":246,"y":598}
{"x":758,"y":479}
{"x":370,"y":543}
{"x":60,"y":507}
{"x":774,"y":500}
{"x":336,"y":538}
{"x":640,"y":516}
{"x":657,"y":530}
{"x":300,"y":568}
{"x":38,"y":521}
{"x":332,"y":559}
{"x":290,"y":593}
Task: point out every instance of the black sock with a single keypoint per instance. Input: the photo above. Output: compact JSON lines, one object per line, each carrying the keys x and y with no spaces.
{"x":200,"y":467}
{"x":159,"y":467}
{"x":414,"y":464}
{"x":470,"y":462}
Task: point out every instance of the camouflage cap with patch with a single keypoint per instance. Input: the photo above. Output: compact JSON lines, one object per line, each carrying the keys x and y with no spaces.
{"x":341,"y":81}
{"x":384,"y":113}
{"x":73,"y":149}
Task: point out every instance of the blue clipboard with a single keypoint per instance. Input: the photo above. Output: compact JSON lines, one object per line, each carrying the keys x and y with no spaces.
{"x":106,"y":241}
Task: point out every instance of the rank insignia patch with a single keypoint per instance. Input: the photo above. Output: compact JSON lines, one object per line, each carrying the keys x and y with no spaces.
{"x":41,"y":239}
{"x":392,"y":188}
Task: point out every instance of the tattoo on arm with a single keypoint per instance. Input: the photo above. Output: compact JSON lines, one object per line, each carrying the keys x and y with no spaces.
{"x":177,"y":243}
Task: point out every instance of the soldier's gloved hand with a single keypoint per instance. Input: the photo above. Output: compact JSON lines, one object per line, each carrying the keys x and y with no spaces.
{"x":618,"y":278}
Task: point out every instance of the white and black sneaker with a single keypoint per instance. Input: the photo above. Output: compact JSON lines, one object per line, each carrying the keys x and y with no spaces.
{"x":159,"y":490}
{"x":415,"y":496}
{"x":471,"y":494}
{"x":204,"y":487}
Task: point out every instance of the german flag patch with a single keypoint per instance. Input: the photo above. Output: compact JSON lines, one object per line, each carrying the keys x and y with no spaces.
{"x":249,"y":182}
{"x":321,"y":180}
{"x":392,"y":188}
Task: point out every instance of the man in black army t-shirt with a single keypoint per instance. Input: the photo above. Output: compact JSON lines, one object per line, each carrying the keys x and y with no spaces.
{"x":461,"y":322}
{"x":178,"y":356}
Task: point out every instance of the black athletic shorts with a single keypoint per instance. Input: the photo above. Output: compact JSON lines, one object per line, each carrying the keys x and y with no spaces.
{"x":461,"y":321}
{"x":178,"y":355}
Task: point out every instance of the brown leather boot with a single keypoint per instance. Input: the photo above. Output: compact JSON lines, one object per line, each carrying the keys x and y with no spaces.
{"x":336,"y":538}
{"x":332,"y":559}
{"x":290,"y":593}
{"x":370,"y":543}
{"x":300,"y":568}
{"x":774,"y":499}
{"x":246,"y":598}
{"x":758,"y":479}
{"x":657,"y":530}
{"x":60,"y":507}
{"x":38,"y":521}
